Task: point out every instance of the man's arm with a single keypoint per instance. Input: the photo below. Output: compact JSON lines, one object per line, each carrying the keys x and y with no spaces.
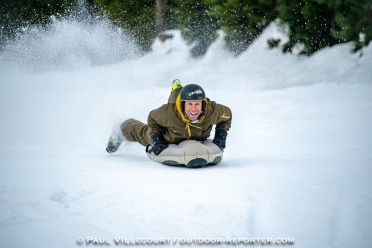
{"x":224,"y":117}
{"x":153,"y":122}
{"x":223,"y":125}
{"x":156,"y":131}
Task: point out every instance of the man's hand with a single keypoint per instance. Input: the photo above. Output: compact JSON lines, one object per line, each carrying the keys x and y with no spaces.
{"x":158,"y":144}
{"x":220,"y":138}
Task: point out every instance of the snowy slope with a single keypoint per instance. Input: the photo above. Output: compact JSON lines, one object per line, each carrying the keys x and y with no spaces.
{"x":297,"y":163}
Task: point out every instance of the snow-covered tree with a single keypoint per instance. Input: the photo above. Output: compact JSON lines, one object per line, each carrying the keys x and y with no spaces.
{"x":243,"y":20}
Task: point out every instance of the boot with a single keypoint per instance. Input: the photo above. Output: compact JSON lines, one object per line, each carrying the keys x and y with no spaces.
{"x":115,"y":140}
{"x":175,"y":91}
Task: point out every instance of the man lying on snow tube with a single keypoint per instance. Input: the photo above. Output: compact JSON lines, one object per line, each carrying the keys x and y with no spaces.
{"x":176,"y":133}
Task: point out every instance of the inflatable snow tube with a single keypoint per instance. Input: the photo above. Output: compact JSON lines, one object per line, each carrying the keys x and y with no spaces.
{"x":191,"y":153}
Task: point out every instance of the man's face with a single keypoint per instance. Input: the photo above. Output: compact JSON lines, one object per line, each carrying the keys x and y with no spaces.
{"x":193,"y":109}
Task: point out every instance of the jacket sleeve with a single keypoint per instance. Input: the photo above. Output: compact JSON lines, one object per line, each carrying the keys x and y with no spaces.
{"x":154,"y":121}
{"x":224,"y":117}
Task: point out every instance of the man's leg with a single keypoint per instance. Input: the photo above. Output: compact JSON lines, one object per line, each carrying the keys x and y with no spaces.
{"x":129,"y":130}
{"x":136,"y":131}
{"x":115,"y":139}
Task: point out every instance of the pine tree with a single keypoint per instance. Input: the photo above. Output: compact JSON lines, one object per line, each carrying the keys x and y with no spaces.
{"x":196,"y":25}
{"x":354,"y":20}
{"x":137,"y":17}
{"x":243,"y":20}
{"x":310,"y":23}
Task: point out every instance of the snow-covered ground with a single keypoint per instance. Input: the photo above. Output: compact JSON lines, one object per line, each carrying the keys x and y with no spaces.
{"x":298,"y":162}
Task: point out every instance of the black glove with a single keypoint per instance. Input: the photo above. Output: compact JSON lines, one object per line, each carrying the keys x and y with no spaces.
{"x":220,"y":138}
{"x":158,"y":144}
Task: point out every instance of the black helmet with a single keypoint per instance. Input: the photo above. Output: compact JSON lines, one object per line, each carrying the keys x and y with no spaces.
{"x":192,"y":92}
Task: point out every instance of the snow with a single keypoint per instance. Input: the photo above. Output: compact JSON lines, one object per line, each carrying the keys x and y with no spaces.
{"x":297,"y":163}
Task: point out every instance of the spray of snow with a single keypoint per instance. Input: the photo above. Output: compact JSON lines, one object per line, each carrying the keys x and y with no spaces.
{"x":72,"y":41}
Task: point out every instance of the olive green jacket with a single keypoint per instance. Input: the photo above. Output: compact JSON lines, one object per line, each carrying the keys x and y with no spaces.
{"x":170,"y":121}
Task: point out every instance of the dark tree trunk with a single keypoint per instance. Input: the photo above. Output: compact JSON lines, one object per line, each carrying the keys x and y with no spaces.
{"x":160,"y":15}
